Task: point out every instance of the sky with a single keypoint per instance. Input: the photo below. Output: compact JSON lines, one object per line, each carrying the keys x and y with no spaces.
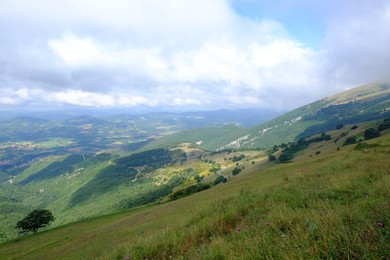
{"x":188,"y":54}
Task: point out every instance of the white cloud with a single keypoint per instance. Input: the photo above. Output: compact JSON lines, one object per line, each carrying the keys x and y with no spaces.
{"x":126,"y":100}
{"x":357,"y":42}
{"x":81,"y":98}
{"x":186,"y":102}
{"x":9,"y":96}
{"x":180,"y":53}
{"x":78,"y":52}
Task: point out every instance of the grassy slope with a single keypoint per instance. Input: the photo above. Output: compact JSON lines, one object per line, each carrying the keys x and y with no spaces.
{"x":102,"y":194}
{"x":323,"y":206}
{"x":210,"y":138}
{"x":287,"y":127}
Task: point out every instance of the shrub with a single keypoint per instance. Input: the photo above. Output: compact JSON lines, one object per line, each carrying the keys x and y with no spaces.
{"x":271,"y":158}
{"x":354,"y":127}
{"x":339,"y":126}
{"x":219,"y":179}
{"x":350,"y":140}
{"x":198,"y":178}
{"x":285,"y":157}
{"x":385,"y":125}
{"x":371,"y":133}
{"x":189,"y":190}
{"x":239,"y":158}
{"x":236,"y":171}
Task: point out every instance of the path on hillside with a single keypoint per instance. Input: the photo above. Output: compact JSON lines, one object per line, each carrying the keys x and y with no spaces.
{"x":136,"y":176}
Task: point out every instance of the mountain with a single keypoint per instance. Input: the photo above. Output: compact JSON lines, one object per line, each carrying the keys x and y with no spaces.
{"x":360,"y":104}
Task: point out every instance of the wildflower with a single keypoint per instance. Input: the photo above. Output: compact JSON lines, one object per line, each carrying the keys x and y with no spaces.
{"x":238,"y":229}
{"x":379,"y":224}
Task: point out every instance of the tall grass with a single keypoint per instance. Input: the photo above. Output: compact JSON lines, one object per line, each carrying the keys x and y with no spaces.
{"x":337,"y":207}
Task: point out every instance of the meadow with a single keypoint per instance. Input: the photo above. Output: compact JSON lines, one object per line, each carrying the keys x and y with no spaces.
{"x":334,"y":205}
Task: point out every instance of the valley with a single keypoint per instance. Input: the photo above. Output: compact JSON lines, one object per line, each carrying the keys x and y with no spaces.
{"x":301,"y":209}
{"x":134,"y":186}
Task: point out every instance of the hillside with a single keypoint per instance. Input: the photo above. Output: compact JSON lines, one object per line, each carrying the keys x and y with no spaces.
{"x":101,"y":170}
{"x":207,"y":138}
{"x":80,"y":186}
{"x":332,"y":204}
{"x":360,"y":104}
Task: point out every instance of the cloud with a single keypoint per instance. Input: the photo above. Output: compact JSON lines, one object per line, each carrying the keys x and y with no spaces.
{"x":185,"y":53}
{"x":357,"y":42}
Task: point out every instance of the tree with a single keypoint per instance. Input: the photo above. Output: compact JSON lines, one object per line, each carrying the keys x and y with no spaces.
{"x":385,"y":125}
{"x":236,"y":171}
{"x":219,"y":179}
{"x":350,"y":140}
{"x":35,"y":220}
{"x":371,"y":133}
{"x":286,"y":157}
{"x":271,"y":158}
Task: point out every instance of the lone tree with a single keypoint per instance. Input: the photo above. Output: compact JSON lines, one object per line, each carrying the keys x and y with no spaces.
{"x":35,"y":220}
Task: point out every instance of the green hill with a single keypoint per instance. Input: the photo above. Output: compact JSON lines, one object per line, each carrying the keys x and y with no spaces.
{"x":360,"y":104}
{"x":80,"y":186}
{"x":208,"y":138}
{"x":334,"y":204}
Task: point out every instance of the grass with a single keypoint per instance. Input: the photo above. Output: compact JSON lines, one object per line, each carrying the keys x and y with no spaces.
{"x":326,"y":206}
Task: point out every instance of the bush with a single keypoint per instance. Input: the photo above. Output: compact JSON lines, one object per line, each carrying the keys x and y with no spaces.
{"x":236,"y":171}
{"x":385,"y":125}
{"x":371,"y":133}
{"x":271,"y":158}
{"x":286,"y":157}
{"x":354,"y":127}
{"x":239,"y":158}
{"x":198,"y":178}
{"x":189,"y":190}
{"x":219,"y":179}
{"x":339,"y":126}
{"x":350,"y":140}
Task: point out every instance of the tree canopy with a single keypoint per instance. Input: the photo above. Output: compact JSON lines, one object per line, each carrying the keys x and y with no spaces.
{"x":35,"y":220}
{"x":371,"y":133}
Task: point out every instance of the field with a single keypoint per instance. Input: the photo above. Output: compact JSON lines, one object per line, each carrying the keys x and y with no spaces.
{"x":333,"y":205}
